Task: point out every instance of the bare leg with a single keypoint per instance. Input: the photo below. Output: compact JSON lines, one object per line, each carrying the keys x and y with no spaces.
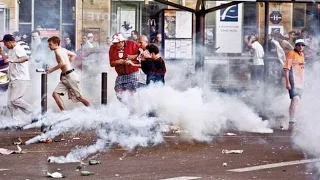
{"x":58,"y":100}
{"x":84,"y":101}
{"x":292,"y":111}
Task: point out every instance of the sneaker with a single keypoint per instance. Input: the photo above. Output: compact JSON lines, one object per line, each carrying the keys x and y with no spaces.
{"x":34,"y":120}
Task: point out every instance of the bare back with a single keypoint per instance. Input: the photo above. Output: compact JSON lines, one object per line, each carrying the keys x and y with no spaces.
{"x":62,"y":56}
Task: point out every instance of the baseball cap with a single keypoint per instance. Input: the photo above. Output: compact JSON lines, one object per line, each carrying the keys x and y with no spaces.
{"x":90,"y":35}
{"x":16,"y":33}
{"x":299,"y":42}
{"x":7,"y":37}
{"x":117,"y":38}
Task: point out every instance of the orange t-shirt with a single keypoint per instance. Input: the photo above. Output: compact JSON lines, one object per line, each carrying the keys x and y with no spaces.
{"x":295,"y":64}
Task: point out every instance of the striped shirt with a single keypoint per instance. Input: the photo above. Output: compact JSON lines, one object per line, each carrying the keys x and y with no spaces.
{"x":26,"y":47}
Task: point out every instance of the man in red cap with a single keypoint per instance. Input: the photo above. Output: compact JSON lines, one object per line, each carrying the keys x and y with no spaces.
{"x":122,"y":56}
{"x":19,"y":76}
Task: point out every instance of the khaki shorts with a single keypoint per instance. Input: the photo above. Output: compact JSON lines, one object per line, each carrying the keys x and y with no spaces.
{"x":69,"y":82}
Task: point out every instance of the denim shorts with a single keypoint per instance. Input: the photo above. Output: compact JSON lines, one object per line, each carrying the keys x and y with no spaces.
{"x":295,"y":92}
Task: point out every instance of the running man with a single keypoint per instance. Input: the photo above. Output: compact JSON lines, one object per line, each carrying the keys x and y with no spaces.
{"x":69,"y":80}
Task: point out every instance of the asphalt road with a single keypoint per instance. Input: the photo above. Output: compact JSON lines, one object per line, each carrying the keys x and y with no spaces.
{"x":172,"y":159}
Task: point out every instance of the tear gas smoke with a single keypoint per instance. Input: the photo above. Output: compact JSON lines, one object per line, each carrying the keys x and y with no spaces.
{"x":202,"y":114}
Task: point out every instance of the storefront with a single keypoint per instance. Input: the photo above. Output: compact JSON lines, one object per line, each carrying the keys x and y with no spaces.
{"x":50,"y":17}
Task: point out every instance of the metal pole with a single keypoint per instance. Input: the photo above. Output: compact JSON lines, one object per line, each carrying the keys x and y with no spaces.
{"x":200,"y":26}
{"x":104,"y":88}
{"x":44,"y":84}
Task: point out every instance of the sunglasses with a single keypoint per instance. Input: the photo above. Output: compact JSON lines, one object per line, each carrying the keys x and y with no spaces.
{"x":300,"y":45}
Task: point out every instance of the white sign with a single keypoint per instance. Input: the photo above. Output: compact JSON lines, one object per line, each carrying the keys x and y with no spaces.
{"x":183,"y":24}
{"x":229,"y":29}
{"x":127,"y":22}
{"x":276,"y":29}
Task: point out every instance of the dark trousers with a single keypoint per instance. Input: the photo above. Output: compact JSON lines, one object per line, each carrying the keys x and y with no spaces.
{"x":155,"y":78}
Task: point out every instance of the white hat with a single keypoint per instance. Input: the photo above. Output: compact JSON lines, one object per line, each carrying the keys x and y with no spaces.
{"x":300,"y":41}
{"x":117,"y":38}
{"x":90,"y":35}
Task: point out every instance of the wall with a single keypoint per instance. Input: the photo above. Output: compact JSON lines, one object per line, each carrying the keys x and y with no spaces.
{"x":14,"y":14}
{"x":92,"y":14}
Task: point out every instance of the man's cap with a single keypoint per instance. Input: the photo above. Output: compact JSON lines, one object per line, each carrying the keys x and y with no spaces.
{"x":90,"y":35}
{"x":300,"y":42}
{"x":16,"y":33}
{"x":117,"y":38}
{"x":7,"y":37}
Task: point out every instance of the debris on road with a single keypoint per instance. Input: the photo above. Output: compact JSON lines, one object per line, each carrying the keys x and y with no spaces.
{"x":45,"y":140}
{"x":94,"y":162}
{"x":124,"y":155}
{"x":224,"y":164}
{"x":86,"y":173}
{"x":4,"y":151}
{"x":171,"y":129}
{"x":225,"y":151}
{"x":58,"y":140}
{"x":55,"y":175}
{"x":231,"y":134}
{"x":19,"y":142}
{"x":78,"y":167}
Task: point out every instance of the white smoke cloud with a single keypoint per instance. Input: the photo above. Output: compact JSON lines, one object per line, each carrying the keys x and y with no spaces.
{"x":201,"y":114}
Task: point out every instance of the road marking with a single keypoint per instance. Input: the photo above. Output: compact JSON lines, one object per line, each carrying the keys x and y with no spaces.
{"x":182,"y":178}
{"x":268,"y":166}
{"x":4,"y":169}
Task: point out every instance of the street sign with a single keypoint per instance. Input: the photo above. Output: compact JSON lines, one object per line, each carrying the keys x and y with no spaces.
{"x":275,"y":17}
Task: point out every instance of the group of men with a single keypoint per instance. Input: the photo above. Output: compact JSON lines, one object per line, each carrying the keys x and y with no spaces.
{"x":128,"y":57}
{"x":19,"y":76}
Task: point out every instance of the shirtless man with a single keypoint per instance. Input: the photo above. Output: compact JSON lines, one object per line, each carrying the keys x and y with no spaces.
{"x":69,"y":81}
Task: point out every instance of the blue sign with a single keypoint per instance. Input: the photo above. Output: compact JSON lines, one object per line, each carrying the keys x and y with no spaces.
{"x":229,"y":14}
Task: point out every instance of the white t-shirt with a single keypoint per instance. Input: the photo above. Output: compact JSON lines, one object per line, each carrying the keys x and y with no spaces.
{"x":258,"y":53}
{"x":280,"y":52}
{"x":18,"y":71}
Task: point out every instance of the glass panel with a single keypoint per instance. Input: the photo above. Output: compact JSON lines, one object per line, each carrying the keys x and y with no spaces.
{"x":68,"y":31}
{"x":298,"y":16}
{"x":187,"y":3}
{"x":2,"y":22}
{"x":25,"y":11}
{"x":25,"y":30}
{"x":68,"y":11}
{"x":44,"y":9}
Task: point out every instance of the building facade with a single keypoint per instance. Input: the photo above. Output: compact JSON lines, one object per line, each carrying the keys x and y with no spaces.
{"x":105,"y":17}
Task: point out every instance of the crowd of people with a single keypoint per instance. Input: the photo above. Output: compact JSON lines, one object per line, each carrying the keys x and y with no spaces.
{"x":138,"y":63}
{"x":133,"y":60}
{"x":295,"y":53}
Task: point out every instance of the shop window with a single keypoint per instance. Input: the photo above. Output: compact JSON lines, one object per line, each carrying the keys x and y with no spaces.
{"x":47,"y":14}
{"x":25,"y":29}
{"x":25,"y":11}
{"x":68,"y":11}
{"x":250,"y":18}
{"x":299,"y":15}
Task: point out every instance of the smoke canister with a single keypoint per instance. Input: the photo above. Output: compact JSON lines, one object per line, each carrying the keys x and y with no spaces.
{"x":86,"y":173}
{"x":94,"y":162}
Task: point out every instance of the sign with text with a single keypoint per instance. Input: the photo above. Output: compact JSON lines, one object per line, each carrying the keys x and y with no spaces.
{"x":275,"y":17}
{"x":229,"y":29}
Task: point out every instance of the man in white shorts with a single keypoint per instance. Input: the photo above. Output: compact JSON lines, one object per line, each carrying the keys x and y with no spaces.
{"x":69,"y":80}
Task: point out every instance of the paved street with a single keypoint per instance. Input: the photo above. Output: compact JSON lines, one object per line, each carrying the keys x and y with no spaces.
{"x":173,"y":159}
